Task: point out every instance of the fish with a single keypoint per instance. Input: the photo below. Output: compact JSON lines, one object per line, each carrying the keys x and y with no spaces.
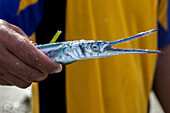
{"x":68,"y":52}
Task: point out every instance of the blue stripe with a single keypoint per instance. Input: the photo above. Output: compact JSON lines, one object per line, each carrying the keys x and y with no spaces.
{"x":164,"y":35}
{"x":27,"y":20}
{"x":8,"y":9}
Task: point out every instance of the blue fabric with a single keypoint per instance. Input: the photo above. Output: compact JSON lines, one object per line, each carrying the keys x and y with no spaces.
{"x":28,"y":19}
{"x":164,"y":35}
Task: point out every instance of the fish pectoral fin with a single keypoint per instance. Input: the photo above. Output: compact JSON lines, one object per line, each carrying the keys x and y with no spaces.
{"x":66,"y":63}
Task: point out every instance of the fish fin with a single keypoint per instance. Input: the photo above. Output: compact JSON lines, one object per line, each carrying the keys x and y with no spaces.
{"x":66,"y":63}
{"x":55,"y":37}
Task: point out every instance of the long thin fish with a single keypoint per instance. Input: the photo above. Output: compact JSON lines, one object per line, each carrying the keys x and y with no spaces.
{"x":71,"y":51}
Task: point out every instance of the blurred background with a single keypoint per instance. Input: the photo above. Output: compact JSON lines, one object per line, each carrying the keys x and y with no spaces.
{"x":16,"y":100}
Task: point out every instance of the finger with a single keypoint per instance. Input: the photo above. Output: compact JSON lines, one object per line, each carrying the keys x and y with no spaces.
{"x":14,"y":80}
{"x":4,"y":82}
{"x":22,"y":70}
{"x":29,"y":54}
{"x":19,"y":30}
{"x":13,"y":27}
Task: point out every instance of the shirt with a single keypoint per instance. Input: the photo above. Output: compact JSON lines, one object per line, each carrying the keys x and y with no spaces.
{"x":117,"y":84}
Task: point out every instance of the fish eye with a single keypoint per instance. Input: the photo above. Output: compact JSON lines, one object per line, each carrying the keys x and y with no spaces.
{"x":95,"y":47}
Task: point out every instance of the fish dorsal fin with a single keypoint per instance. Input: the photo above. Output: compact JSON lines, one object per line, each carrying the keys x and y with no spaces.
{"x":55,"y":37}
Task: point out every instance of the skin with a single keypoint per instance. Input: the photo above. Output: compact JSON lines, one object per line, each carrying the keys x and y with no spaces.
{"x":21,"y":63}
{"x":162,"y":79}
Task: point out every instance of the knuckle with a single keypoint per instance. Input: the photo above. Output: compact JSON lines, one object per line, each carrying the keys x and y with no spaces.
{"x":33,"y":57}
{"x":34,"y":75}
{"x":30,"y":75}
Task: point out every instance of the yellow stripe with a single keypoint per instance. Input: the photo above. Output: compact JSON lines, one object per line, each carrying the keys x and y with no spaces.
{"x":35,"y":98}
{"x":32,"y":37}
{"x":35,"y":91}
{"x":24,"y":4}
{"x":162,"y":11}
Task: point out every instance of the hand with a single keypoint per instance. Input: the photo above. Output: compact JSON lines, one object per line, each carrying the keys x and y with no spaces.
{"x":162,"y":77}
{"x":21,"y":63}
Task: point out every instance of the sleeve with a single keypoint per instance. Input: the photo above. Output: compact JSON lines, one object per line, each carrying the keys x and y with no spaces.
{"x":163,"y":23}
{"x":26,"y":14}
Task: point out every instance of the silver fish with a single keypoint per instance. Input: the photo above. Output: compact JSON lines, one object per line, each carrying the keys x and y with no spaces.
{"x":71,"y":51}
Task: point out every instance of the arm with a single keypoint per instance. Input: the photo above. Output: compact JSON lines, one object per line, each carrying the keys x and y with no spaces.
{"x":21,"y":63}
{"x":162,"y":79}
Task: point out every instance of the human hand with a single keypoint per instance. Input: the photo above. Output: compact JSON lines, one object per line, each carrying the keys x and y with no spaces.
{"x":21,"y":63}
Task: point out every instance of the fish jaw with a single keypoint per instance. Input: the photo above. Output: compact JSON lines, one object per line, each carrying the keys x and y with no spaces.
{"x":105,"y":49}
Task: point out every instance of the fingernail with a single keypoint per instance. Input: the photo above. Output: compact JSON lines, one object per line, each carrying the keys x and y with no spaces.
{"x":42,"y":77}
{"x":59,"y":68}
